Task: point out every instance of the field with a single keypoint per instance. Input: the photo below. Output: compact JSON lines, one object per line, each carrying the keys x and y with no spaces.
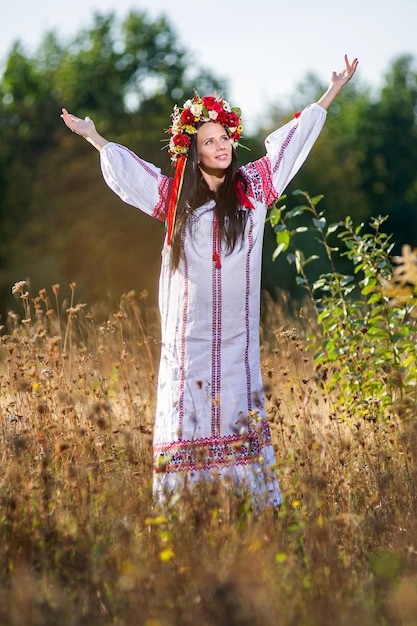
{"x":81,"y":543}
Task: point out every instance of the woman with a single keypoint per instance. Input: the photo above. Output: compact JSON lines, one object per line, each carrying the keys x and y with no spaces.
{"x":210,"y":418}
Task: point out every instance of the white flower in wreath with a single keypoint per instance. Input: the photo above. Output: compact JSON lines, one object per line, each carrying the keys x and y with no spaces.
{"x":213,"y":115}
{"x":196,"y":109}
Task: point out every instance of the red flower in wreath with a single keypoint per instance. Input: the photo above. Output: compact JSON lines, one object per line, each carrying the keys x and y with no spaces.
{"x":222,"y":118}
{"x":232,"y":120}
{"x":208,"y":101}
{"x":187,"y":117}
{"x":182,"y":141}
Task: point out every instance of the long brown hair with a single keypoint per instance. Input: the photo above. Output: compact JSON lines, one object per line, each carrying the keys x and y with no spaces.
{"x":195,"y":192}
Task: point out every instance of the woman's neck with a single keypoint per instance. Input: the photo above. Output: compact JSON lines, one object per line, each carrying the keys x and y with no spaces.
{"x":213,"y":181}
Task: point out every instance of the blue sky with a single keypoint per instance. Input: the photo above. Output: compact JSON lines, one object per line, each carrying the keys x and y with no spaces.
{"x":264,"y":48}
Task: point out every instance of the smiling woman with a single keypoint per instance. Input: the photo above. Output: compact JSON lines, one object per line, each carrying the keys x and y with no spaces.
{"x":210,"y":423}
{"x":214,"y":153}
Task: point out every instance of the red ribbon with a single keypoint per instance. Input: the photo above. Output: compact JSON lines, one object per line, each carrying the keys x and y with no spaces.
{"x":175,"y":194}
{"x":241,"y":196}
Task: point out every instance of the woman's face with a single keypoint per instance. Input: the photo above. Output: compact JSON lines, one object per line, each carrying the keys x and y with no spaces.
{"x":214,"y":150}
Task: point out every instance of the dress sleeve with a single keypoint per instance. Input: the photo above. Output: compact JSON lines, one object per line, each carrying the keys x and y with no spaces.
{"x":135,"y":181}
{"x":286,"y":150}
{"x":288,"y":147}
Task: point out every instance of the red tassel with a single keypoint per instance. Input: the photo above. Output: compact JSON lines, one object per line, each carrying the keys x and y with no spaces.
{"x":216,"y":260}
{"x":241,"y":196}
{"x":175,"y":194}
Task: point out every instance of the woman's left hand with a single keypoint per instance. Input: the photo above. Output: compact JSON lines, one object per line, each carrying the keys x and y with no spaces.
{"x":339,"y":79}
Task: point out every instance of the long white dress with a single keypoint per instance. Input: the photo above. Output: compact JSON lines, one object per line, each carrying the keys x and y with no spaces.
{"x":210,"y":419}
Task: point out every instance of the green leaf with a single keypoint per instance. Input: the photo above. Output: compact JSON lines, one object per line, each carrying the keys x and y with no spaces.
{"x":298,"y":210}
{"x":369,"y":288}
{"x":409,"y":360}
{"x":281,"y":248}
{"x":275,"y":216}
{"x":319,"y":223}
{"x":332,"y":228}
{"x":301,"y":281}
{"x":318,"y":284}
{"x":311,"y":258}
{"x":299,"y":260}
{"x":316,"y":199}
{"x":346,"y":280}
{"x":375,"y":298}
{"x":283,"y":241}
{"x":283,"y":237}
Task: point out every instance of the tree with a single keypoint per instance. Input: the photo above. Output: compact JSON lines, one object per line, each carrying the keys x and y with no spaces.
{"x":58,"y":220}
{"x":363,"y":162}
{"x":387,"y":143}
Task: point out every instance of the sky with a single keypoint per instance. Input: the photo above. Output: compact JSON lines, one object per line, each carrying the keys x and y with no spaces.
{"x":263,"y":48}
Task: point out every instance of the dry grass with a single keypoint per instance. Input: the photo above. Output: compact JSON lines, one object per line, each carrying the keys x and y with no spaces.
{"x":82,"y":544}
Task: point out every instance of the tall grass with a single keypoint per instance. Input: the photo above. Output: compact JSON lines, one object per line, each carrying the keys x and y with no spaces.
{"x":81,"y":542}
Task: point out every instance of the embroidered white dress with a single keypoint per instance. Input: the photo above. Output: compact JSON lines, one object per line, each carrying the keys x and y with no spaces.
{"x":210,"y":418}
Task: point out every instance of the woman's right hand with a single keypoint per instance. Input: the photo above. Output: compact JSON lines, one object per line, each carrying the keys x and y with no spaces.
{"x":83,"y":127}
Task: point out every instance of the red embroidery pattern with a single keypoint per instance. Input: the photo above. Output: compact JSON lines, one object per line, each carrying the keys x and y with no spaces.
{"x":211,"y":452}
{"x":258,"y":176}
{"x":247,"y":323}
{"x":183,"y":332}
{"x":148,"y":169}
{"x":161,"y":209}
{"x":284,"y":147}
{"x":216,"y":334}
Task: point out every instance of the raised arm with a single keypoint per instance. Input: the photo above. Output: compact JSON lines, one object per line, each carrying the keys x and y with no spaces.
{"x":134,"y":180}
{"x":85,"y":128}
{"x":288,"y":147}
{"x":337,"y":81}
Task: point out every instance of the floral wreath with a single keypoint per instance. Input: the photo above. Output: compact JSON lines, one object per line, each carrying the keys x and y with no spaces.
{"x":184,"y":126}
{"x":206,"y":109}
